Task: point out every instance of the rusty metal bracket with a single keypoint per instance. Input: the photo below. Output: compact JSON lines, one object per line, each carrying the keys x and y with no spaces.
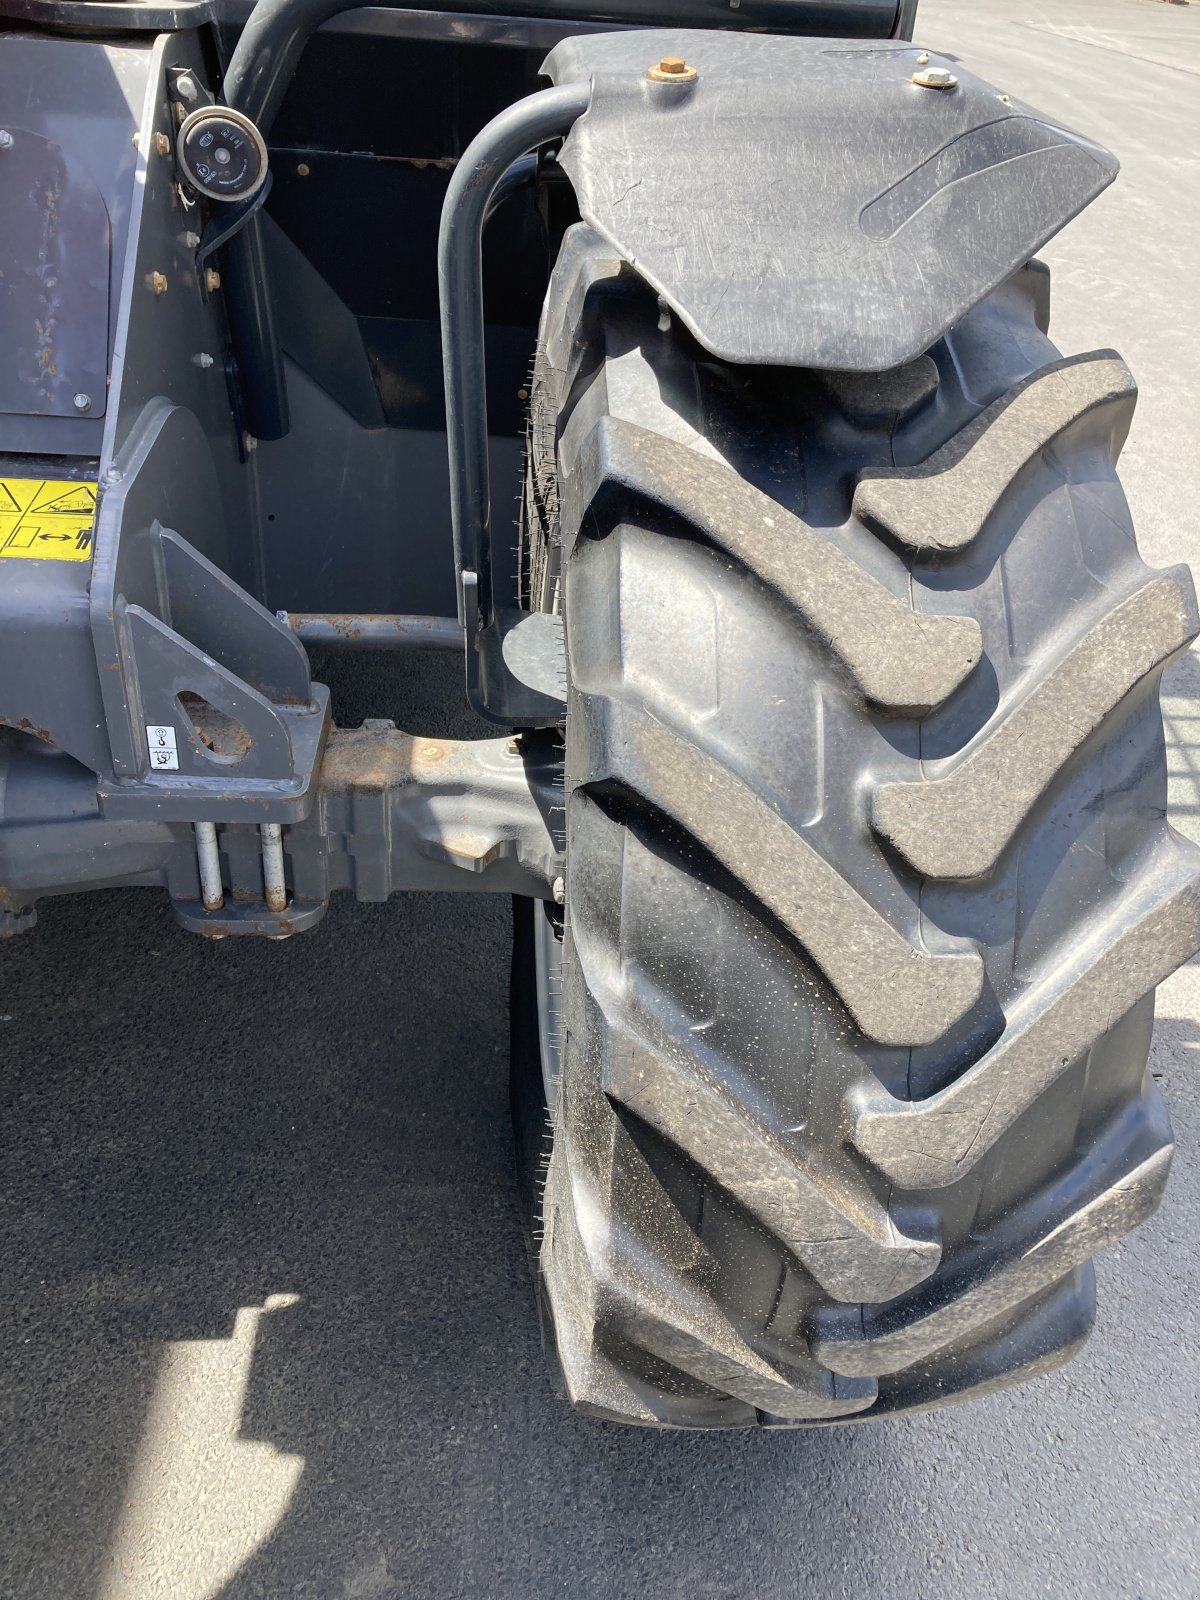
{"x":391,"y":811}
{"x":395,"y":811}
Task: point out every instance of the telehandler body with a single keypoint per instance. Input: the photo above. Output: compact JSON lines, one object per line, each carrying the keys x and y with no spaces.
{"x":826,"y":770}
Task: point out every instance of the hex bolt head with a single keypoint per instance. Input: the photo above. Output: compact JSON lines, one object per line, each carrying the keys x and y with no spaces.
{"x":934,"y":78}
{"x":559,"y":890}
{"x":6,"y":139}
{"x":672,"y":69}
{"x":82,"y":402}
{"x":162,"y":144}
{"x":185,"y":87}
{"x":203,"y":360}
{"x":212,"y":279}
{"x":156,"y":282}
{"x":190,"y":240}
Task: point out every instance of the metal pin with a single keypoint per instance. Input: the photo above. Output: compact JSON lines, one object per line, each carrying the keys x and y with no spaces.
{"x":274,"y":887}
{"x":934,"y":78}
{"x":209,"y":860}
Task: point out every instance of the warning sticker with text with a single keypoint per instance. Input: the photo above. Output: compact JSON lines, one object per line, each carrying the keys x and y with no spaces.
{"x":46,"y":519}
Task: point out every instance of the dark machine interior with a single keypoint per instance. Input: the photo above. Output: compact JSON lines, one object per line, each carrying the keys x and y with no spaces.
{"x":382,"y":106}
{"x":362,"y":154}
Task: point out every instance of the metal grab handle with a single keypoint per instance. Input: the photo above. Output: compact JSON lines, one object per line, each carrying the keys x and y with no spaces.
{"x":268,"y":51}
{"x":520,"y":129}
{"x":262,"y":65}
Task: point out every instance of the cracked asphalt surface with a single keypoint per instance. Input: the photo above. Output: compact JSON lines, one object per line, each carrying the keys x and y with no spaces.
{"x":266,"y":1328}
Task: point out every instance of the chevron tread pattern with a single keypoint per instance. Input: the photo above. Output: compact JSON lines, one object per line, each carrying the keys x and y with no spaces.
{"x":897,"y":992}
{"x":1045,"y":1250}
{"x":900,"y":660}
{"x":943,"y":504}
{"x":955,"y":819}
{"x":653,"y":1294}
{"x":927,"y":1144}
{"x":742,"y":1229}
{"x":821,"y":1211}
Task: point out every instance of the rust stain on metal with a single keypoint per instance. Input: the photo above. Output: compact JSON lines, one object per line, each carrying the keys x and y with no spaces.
{"x":479,"y":849}
{"x":345,"y":623}
{"x":26,"y":726}
{"x":222,"y":735}
{"x":45,"y":326}
{"x":377,"y":626}
{"x":366,"y":760}
{"x":672,"y":69}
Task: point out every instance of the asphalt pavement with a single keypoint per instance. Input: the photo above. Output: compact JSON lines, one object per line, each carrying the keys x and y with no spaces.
{"x":265,"y":1322}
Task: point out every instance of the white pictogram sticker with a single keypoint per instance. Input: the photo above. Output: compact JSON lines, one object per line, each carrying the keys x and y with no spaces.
{"x":164,"y":752}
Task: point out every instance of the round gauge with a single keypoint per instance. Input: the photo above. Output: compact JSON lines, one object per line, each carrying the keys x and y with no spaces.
{"x":222,"y":153}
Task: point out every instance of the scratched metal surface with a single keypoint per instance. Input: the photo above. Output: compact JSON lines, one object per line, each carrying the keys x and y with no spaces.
{"x":804,"y":202}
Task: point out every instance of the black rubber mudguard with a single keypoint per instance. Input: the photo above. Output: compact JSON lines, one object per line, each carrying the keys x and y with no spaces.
{"x":805,"y":202}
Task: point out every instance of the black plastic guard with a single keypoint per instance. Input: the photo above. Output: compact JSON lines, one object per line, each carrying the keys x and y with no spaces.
{"x":803,"y":202}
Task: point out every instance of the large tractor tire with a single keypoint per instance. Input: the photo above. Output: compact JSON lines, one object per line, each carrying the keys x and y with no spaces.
{"x":831,"y":1069}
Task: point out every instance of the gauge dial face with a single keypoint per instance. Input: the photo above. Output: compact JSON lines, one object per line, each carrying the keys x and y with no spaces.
{"x":222,"y":153}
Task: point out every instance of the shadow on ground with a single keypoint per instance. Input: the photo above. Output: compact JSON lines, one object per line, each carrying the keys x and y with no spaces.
{"x":320,"y":1128}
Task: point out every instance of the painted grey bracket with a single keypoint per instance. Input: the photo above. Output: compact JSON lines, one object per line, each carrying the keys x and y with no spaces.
{"x":248,"y":726}
{"x":168,"y":623}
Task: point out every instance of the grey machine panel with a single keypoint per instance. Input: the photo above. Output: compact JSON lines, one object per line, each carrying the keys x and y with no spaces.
{"x":54,"y":262}
{"x":804,"y":202}
{"x":70,"y":108}
{"x":160,"y":631}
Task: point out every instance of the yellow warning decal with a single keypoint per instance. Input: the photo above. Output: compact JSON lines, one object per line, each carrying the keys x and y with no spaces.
{"x":46,"y":519}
